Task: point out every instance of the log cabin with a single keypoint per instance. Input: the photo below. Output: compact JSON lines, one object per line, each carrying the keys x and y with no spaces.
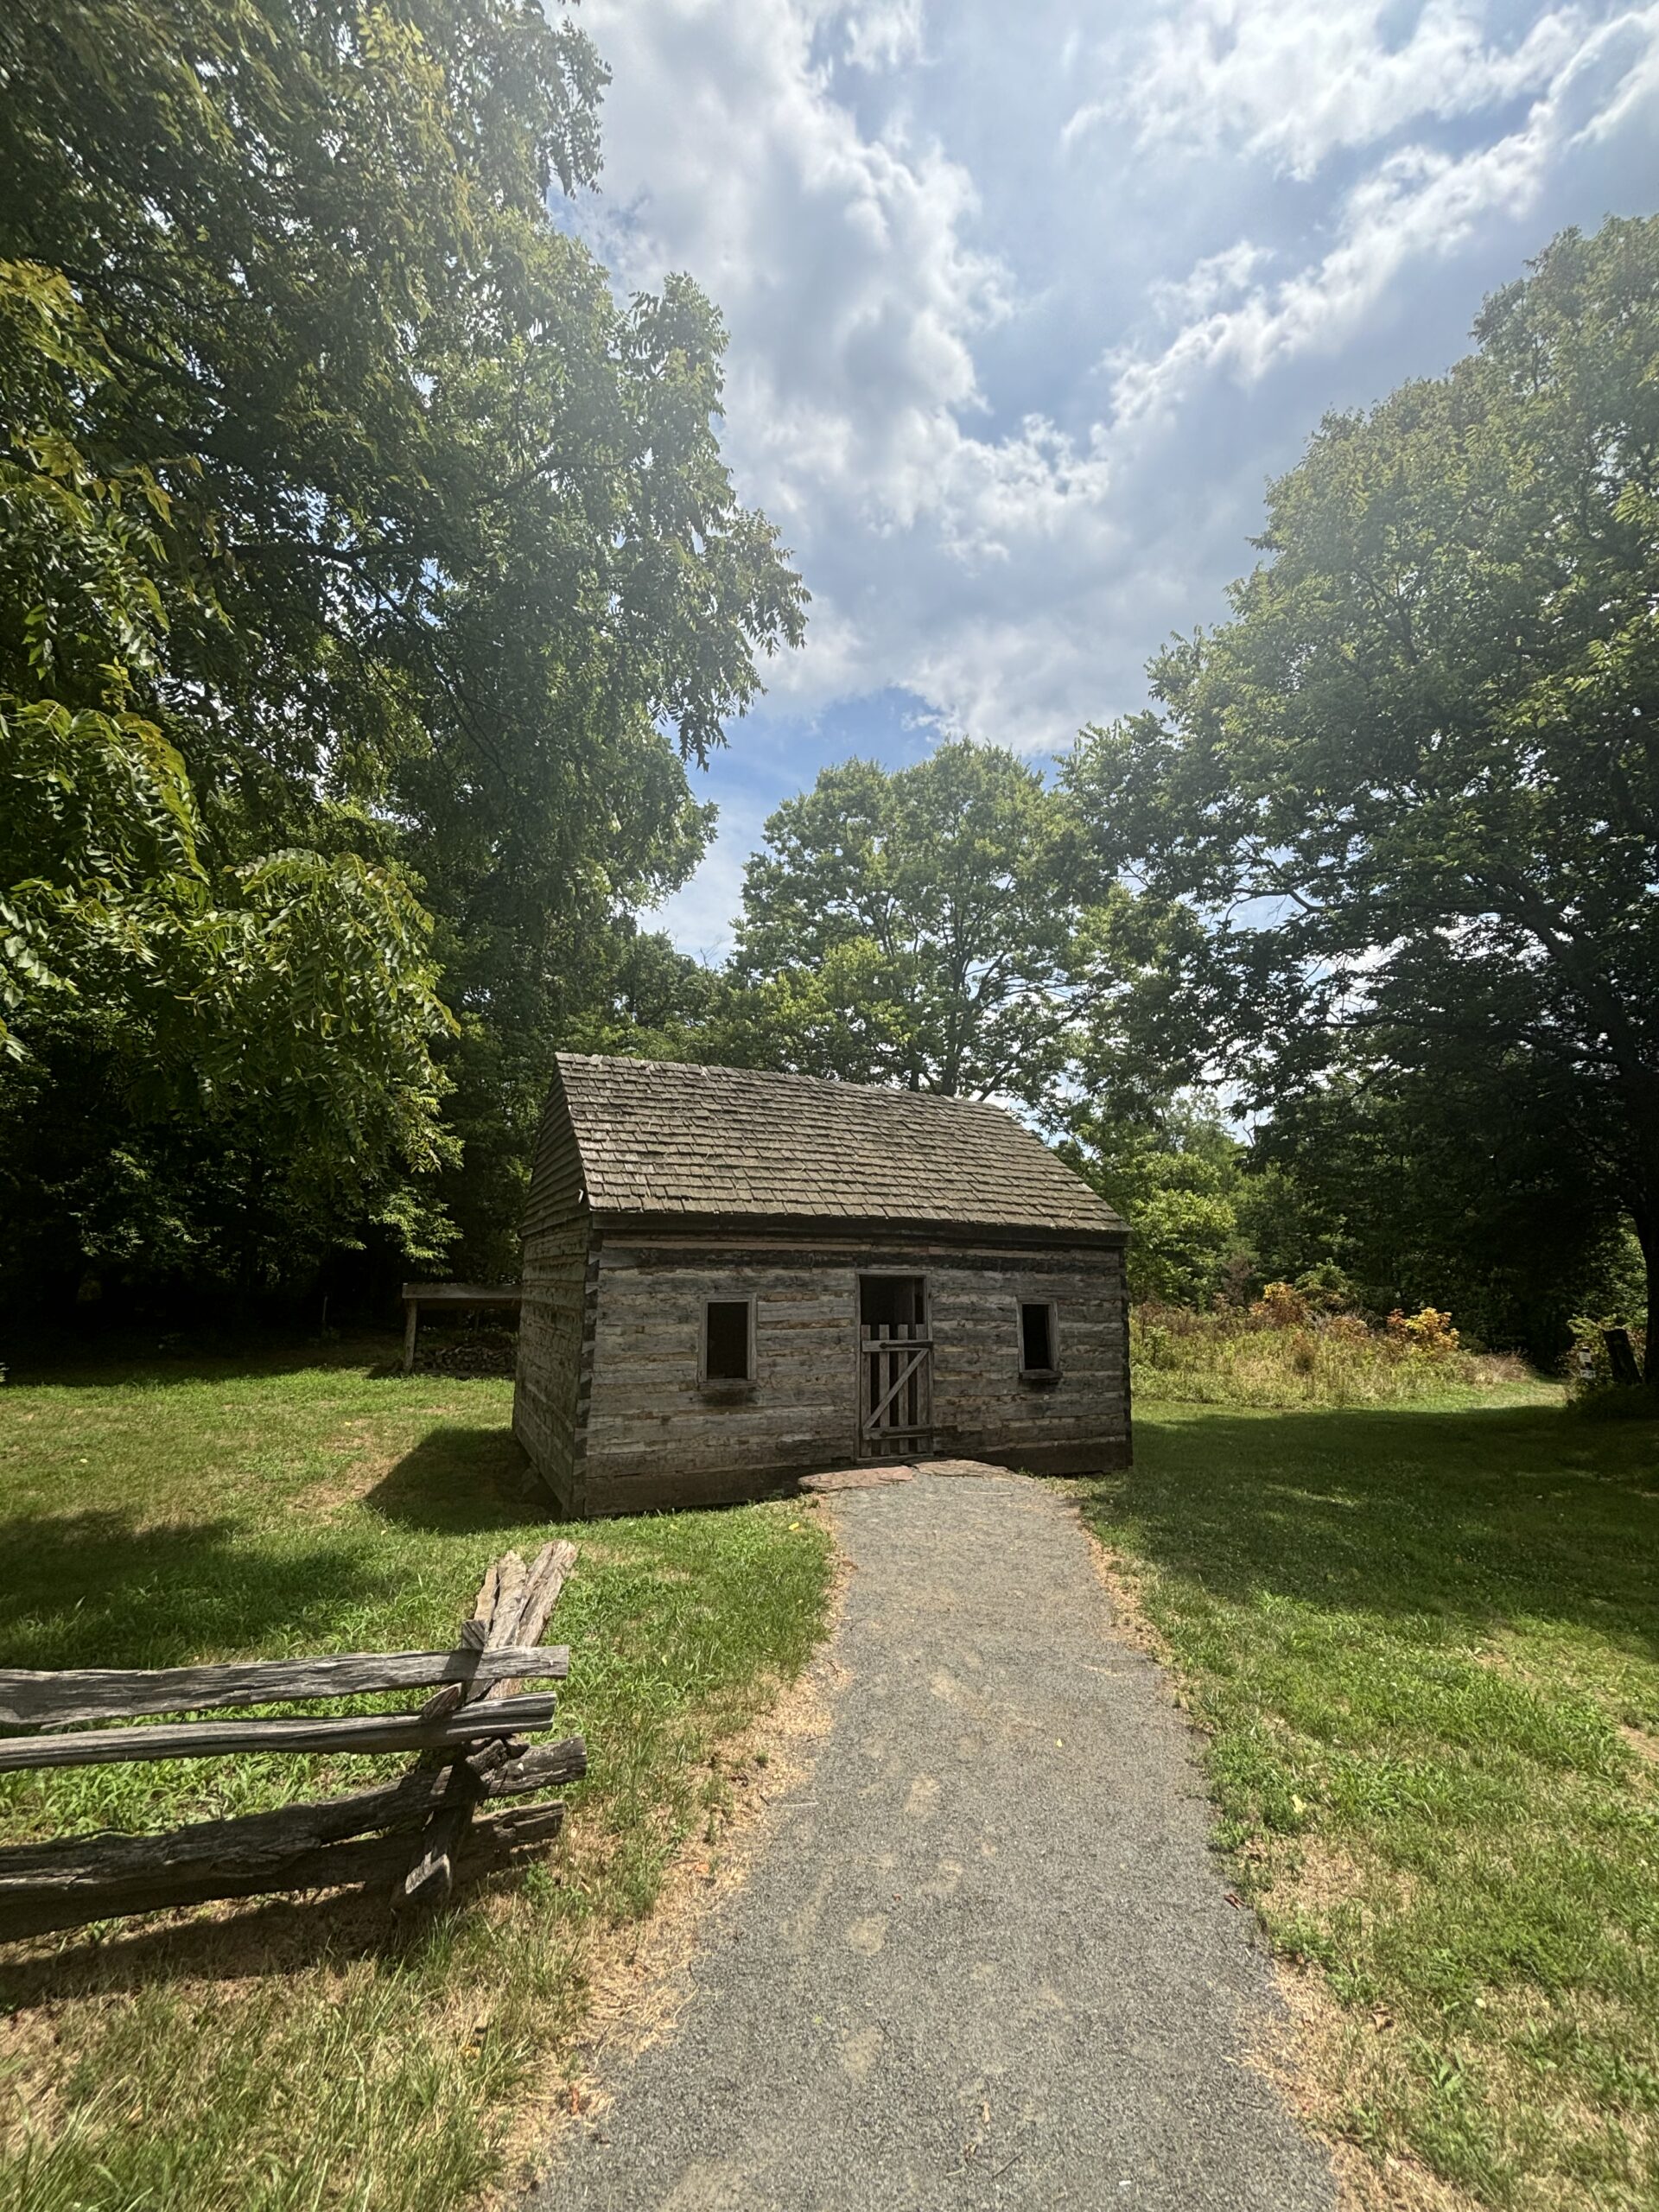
{"x":733,"y":1278}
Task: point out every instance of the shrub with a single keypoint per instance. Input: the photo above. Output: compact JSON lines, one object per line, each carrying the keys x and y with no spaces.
{"x":1430,"y":1332}
{"x":1617,"y":1401}
{"x":1347,"y":1328}
{"x":1589,"y":1365}
{"x":1592,"y":1386}
{"x":1279,"y":1352}
{"x":1281,"y":1305}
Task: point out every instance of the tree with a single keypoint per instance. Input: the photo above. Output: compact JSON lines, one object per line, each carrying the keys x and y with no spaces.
{"x":1459,"y":1186}
{"x":626,"y":991}
{"x":1411,"y":787}
{"x":341,"y":487}
{"x":1175,"y":1177}
{"x":292,"y":995}
{"x":911,"y":927}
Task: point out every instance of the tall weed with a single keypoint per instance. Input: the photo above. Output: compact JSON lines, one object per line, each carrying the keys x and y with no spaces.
{"x":1280,"y":1352}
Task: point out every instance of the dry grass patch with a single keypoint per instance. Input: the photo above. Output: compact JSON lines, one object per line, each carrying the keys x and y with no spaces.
{"x":1278,"y":1352}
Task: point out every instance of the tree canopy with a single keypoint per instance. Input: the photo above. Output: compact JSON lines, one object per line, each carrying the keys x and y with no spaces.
{"x":372,"y":581}
{"x":371,"y":574}
{"x":912,"y":926}
{"x":1411,"y":787}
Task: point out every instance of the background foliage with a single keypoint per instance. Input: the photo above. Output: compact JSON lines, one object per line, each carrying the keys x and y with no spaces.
{"x":371,"y":573}
{"x":372,"y":583}
{"x":1412,"y":789}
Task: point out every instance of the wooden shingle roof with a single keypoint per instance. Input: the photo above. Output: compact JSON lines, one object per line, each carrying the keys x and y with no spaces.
{"x":656,"y":1138}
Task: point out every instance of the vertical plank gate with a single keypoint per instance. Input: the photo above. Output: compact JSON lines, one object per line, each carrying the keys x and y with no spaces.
{"x":896,"y":1390}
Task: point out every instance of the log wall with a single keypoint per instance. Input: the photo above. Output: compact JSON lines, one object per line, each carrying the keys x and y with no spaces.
{"x":556,"y":1327}
{"x":984,"y":1408}
{"x":645,"y":1432}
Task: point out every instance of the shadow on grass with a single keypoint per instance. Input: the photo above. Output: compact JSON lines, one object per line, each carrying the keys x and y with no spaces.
{"x":249,"y":1940}
{"x":130,"y":1359}
{"x":460,"y":1479}
{"x":1473,"y":1516}
{"x":245,"y":1940}
{"x":101,"y":1589}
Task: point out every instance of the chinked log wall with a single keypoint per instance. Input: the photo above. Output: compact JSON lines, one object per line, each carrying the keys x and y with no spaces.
{"x":645,"y":1434}
{"x":406,"y":1833}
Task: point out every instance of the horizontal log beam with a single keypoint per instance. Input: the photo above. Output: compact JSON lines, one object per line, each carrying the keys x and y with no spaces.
{"x":34,"y":1700}
{"x":255,"y":1841}
{"x":373,"y":1859}
{"x":377,"y":1731}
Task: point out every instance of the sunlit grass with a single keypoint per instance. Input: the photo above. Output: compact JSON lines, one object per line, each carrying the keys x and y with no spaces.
{"x":297,"y":2053}
{"x":1425,"y":1647}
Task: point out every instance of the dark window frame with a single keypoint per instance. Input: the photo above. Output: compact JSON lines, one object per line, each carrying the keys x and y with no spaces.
{"x":708,"y":1381}
{"x":1049,"y":1306}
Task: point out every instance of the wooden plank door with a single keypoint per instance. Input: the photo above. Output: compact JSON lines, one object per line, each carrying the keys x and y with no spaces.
{"x":895,"y":1391}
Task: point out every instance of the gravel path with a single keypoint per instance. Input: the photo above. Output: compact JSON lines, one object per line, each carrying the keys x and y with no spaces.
{"x":986,"y":1958}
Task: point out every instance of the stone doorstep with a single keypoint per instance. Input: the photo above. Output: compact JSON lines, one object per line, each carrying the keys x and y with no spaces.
{"x":870,"y":1477}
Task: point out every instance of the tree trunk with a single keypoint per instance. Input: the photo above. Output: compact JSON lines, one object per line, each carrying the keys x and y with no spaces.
{"x":1647,"y":1236}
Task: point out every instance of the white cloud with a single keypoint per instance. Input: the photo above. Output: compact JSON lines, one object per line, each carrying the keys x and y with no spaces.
{"x":1217,"y":278}
{"x":1415,"y":208}
{"x":844,"y":266}
{"x":1011,"y":357}
{"x":1296,"y":80}
{"x":884,"y":34}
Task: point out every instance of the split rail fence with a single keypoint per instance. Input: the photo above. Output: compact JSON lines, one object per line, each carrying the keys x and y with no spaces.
{"x":470,"y":1735}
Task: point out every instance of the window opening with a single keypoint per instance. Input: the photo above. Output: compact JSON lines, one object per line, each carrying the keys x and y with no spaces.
{"x":1037,"y":1338}
{"x":726,"y":1343}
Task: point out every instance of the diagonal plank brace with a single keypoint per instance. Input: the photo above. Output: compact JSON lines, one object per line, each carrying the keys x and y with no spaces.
{"x":910,"y":1368}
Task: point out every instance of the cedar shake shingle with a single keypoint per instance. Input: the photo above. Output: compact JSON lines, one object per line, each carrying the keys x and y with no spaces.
{"x":661,"y":1137}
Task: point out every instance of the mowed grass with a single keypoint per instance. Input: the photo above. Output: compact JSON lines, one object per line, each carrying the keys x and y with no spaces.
{"x":1424,"y":1645}
{"x":306,"y":2052}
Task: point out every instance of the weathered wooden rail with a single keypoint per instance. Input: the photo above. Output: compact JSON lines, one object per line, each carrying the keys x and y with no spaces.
{"x":469,"y":1735}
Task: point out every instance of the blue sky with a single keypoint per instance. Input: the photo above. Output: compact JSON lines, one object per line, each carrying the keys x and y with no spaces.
{"x":1026,"y":305}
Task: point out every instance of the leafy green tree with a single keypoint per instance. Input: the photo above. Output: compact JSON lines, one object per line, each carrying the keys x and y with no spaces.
{"x":1175,"y":1177}
{"x":627,"y":990}
{"x":389,"y":552}
{"x":911,"y":927}
{"x":287,"y":1001}
{"x":1412,"y":786}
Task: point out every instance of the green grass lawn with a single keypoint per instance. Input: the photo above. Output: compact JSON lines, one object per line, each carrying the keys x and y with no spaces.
{"x":303,"y":2053}
{"x":1424,"y":1646}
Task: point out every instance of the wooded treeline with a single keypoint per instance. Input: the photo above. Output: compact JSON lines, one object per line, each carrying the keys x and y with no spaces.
{"x":374,"y":586}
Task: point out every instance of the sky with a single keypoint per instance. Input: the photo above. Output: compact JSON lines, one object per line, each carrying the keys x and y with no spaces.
{"x":1026,"y":305}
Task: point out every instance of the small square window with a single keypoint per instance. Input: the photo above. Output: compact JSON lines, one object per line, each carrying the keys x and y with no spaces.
{"x":1037,"y":1338}
{"x":726,"y":1343}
